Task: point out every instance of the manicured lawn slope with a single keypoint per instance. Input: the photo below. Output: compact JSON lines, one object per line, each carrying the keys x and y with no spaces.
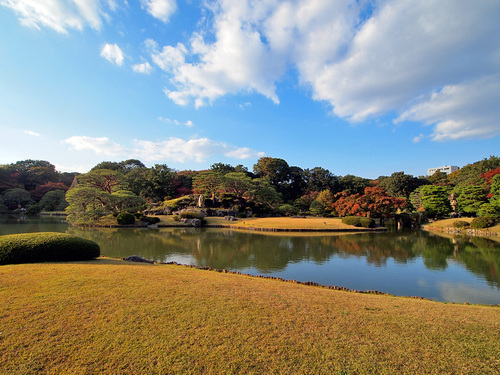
{"x":111,"y":317}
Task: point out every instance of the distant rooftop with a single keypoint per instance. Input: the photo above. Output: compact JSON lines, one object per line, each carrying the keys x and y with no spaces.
{"x":445,"y":169}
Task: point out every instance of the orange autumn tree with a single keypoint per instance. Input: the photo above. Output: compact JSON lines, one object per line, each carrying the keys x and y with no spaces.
{"x":375,"y":202}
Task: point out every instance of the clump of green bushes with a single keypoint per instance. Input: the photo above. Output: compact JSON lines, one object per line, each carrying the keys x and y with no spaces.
{"x":150,"y":220}
{"x":359,"y":221}
{"x":125,"y":218}
{"x":460,"y":224}
{"x":191,"y":215}
{"x":45,"y":247}
{"x":482,"y":222}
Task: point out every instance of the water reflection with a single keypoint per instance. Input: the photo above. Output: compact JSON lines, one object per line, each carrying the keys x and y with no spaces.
{"x":408,"y":263}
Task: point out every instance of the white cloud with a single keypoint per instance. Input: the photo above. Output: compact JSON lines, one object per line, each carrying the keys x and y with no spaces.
{"x":171,"y":149}
{"x":161,"y":9}
{"x":31,"y":133}
{"x":144,"y":68}
{"x":101,"y":146}
{"x":467,"y":110}
{"x":58,"y":15}
{"x":238,"y":60}
{"x":418,"y":138}
{"x":244,"y":153}
{"x":364,"y":63}
{"x":113,"y":53}
{"x":187,"y":123}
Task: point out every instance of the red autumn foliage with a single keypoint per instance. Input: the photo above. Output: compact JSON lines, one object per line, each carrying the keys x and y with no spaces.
{"x":41,"y":190}
{"x":489,"y":175}
{"x":374,"y":202}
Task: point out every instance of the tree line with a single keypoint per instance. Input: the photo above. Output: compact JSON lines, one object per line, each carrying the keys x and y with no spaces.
{"x":273,"y":187}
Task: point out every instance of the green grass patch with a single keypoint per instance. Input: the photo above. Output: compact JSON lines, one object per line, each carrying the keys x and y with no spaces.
{"x":110,"y":317}
{"x":45,"y":247}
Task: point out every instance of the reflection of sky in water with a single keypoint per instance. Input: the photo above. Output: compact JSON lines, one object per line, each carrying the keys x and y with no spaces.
{"x":412,"y":279}
{"x":462,"y":292}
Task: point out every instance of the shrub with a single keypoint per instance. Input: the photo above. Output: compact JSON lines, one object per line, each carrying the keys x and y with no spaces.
{"x":482,"y":222}
{"x":366,"y":222}
{"x":351,"y":220}
{"x":460,"y":224}
{"x":191,"y":215}
{"x":177,"y":218}
{"x":359,"y":221}
{"x":45,"y":247}
{"x":150,"y":220}
{"x":125,"y":218}
{"x":33,"y":210}
{"x":242,"y":215}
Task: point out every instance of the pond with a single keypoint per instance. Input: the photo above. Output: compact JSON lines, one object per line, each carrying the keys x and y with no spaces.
{"x":406,"y":263}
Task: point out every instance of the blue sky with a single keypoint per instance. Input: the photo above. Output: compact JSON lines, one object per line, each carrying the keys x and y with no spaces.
{"x":358,"y":87}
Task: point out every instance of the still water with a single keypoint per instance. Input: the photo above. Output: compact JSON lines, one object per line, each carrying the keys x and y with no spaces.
{"x":408,"y":263}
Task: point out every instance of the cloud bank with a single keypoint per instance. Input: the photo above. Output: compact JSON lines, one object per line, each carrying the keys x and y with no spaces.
{"x":171,"y":149}
{"x":426,"y":61}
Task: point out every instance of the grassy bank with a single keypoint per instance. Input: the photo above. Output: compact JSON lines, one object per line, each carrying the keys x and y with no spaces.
{"x":446,"y":226}
{"x":109,"y":316}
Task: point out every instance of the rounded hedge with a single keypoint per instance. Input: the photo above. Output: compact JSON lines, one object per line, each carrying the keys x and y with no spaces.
{"x":359,"y":221}
{"x":45,"y":247}
{"x":125,"y":219}
{"x":460,"y":224}
{"x":482,"y":222}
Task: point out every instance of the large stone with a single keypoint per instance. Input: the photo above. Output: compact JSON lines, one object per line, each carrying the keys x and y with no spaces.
{"x":136,"y":258}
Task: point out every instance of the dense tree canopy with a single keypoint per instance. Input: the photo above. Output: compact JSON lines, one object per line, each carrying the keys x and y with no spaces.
{"x":274,"y":187}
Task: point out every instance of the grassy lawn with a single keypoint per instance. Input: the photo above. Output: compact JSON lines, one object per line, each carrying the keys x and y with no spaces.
{"x":448,"y":223}
{"x":310,"y":223}
{"x":112,"y":317}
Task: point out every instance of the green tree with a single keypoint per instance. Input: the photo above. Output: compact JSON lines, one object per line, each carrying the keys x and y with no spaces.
{"x":435,"y":200}
{"x":209,"y":184}
{"x":471,"y":199}
{"x":288,"y":210}
{"x":327,"y":199}
{"x":439,"y":178}
{"x":86,"y":205}
{"x":265,"y":195}
{"x":317,"y":208}
{"x":7,"y":178}
{"x":399,"y":184}
{"x":125,"y":200}
{"x":106,"y":180}
{"x":159,"y":185}
{"x":239,"y":185}
{"x":17,"y":198}
{"x":319,"y":179}
{"x":53,"y":200}
{"x":31,"y":173}
{"x":353,"y":184}
{"x":222,"y":168}
{"x":274,"y":170}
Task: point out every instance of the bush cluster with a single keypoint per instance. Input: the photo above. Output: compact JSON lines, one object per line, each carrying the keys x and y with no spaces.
{"x":45,"y":247}
{"x":125,"y":218}
{"x":482,"y":222}
{"x":359,"y":221}
{"x":149,"y":220}
{"x":460,"y":224}
{"x":191,"y":215}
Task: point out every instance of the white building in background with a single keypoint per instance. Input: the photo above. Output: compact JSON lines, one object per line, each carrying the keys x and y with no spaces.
{"x":445,"y":169}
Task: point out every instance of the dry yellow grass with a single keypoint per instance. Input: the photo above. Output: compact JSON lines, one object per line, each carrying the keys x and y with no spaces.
{"x":111,"y":317}
{"x":287,"y":223}
{"x":446,"y":225}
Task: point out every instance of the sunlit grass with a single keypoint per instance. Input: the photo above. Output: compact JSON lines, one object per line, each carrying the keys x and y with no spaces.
{"x":309,"y":223}
{"x":448,"y":223}
{"x":111,"y":317}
